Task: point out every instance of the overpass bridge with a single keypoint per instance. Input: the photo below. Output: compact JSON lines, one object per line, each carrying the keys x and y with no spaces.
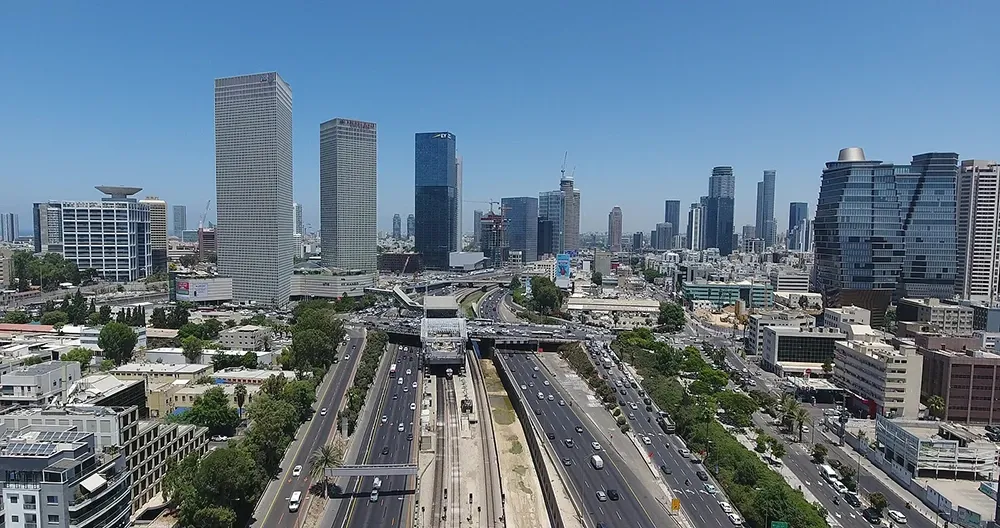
{"x":371,"y":470}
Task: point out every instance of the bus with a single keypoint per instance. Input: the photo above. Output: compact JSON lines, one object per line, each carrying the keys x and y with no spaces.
{"x":293,"y":503}
{"x":541,"y":333}
{"x":665,"y":424}
{"x":392,"y":370}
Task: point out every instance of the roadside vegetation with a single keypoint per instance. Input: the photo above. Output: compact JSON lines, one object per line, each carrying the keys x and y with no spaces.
{"x":363,"y":379}
{"x":759,"y":493}
{"x":576,"y":356}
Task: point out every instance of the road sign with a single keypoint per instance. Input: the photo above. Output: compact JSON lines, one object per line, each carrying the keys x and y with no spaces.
{"x":675,"y":505}
{"x":779,"y":524}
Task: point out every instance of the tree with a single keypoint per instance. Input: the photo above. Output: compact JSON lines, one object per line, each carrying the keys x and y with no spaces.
{"x":672,"y":317}
{"x":935,"y":404}
{"x":302,"y":395}
{"x":273,"y":385}
{"x":329,"y":455}
{"x":827,"y":367}
{"x":240,"y":396}
{"x":54,"y":318}
{"x":546,"y":297}
{"x":229,"y":478}
{"x":178,"y":316}
{"x":93,"y":319}
{"x":878,"y":501}
{"x":80,"y":354}
{"x":738,"y":407}
{"x":122,"y":316}
{"x":777,"y":448}
{"x":272,"y":425}
{"x":117,"y":342}
{"x":597,"y":278}
{"x":889,"y":322}
{"x":801,"y":417}
{"x":212,"y":410}
{"x":192,"y":348}
{"x":16,"y":317}
{"x":819,"y":453}
{"x":158,"y":319}
{"x":214,"y":517}
{"x":515,"y":283}
{"x":105,"y":314}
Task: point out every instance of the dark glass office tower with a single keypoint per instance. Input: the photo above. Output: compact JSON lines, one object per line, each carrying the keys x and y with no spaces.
{"x":797,"y":211}
{"x":672,"y":214}
{"x":719,"y":210}
{"x":858,"y":234}
{"x":521,"y":215}
{"x":765,"y":227}
{"x":435,"y":197}
{"x":546,"y":234}
{"x":928,"y":208}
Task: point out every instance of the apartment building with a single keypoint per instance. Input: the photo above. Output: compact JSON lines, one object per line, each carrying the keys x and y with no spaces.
{"x":882,"y":380}
{"x":846,"y":315}
{"x":757,"y":322}
{"x":246,"y":337}
{"x":948,"y":318}
{"x":38,"y":384}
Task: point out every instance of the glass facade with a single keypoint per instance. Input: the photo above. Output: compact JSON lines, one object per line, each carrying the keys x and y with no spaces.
{"x":550,"y":206}
{"x":797,"y":211}
{"x":764,"y":227}
{"x":521,"y":214}
{"x":719,"y":210}
{"x":928,"y":208}
{"x":435,"y":197}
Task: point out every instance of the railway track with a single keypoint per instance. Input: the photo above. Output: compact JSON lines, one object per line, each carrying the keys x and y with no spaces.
{"x":486,"y":442}
{"x":454,"y":489}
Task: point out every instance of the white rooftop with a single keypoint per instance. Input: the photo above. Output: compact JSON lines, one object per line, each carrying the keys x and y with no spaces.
{"x":161,"y":368}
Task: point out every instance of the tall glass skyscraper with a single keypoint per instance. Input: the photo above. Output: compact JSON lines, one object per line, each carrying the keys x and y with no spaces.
{"x":615,"y":229}
{"x":719,"y":210}
{"x":435,"y":197}
{"x":928,"y":207}
{"x":797,"y":211}
{"x":672,"y":214}
{"x":253,"y":185}
{"x":348,"y":193}
{"x":180,"y":220}
{"x":521,"y":214}
{"x":551,"y":207}
{"x":765,"y":227}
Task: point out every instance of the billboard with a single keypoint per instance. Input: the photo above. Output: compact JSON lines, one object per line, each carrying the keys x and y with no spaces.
{"x":192,"y":290}
{"x":562,"y":270}
{"x":527,"y":287}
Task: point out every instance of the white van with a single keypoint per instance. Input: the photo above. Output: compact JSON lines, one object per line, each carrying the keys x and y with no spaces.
{"x":828,"y":473}
{"x":597,"y":462}
{"x":294,"y":501}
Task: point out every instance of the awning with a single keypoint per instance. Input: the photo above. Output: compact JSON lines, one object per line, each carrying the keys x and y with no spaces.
{"x":93,"y":483}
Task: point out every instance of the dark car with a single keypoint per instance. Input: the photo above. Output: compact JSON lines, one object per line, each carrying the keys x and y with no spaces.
{"x":872,"y":516}
{"x":567,"y":461}
{"x":702,"y":475}
{"x":409,"y":437}
{"x":852,"y":499}
{"x":385,"y":450}
{"x":613,"y":494}
{"x":538,"y":412}
{"x":666,"y":470}
{"x":551,"y":436}
{"x":622,"y":392}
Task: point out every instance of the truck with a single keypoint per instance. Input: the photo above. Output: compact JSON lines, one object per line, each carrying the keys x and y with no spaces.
{"x":606,"y":362}
{"x":597,"y":462}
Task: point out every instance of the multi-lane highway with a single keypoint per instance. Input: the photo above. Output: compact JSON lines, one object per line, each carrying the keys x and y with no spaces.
{"x":273,"y":510}
{"x":571,"y":440}
{"x":389,"y":438}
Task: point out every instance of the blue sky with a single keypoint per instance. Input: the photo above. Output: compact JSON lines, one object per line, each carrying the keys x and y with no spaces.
{"x":646,"y":96}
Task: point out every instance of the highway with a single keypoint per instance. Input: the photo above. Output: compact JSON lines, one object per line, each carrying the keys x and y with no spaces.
{"x":697,"y":504}
{"x":384,"y":443}
{"x":561,"y":421}
{"x":316,"y":433}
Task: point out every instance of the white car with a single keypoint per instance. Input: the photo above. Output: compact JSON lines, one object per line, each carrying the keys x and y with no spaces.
{"x":524,"y":387}
{"x":596,"y":446}
{"x":385,"y":418}
{"x":408,"y":372}
{"x":633,"y":406}
{"x":414,"y":385}
{"x":546,"y":383}
{"x":401,"y":427}
{"x":896,"y":516}
{"x":725,"y":507}
{"x":536,"y":369}
{"x":735,"y":519}
{"x":322,"y":412}
{"x":646,"y":440}
{"x":413,"y":406}
{"x":297,"y":470}
{"x":711,"y":489}
{"x":399,"y":381}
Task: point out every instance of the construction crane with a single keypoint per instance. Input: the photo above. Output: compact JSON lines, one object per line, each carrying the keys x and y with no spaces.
{"x":562,"y":171}
{"x":201,"y":221}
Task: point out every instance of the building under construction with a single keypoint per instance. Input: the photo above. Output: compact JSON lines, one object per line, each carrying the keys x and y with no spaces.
{"x":493,"y":238}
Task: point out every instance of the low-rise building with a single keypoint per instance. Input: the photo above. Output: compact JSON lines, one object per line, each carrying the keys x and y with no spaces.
{"x":616,"y":313}
{"x":948,"y":318}
{"x":175,"y":355}
{"x":180,"y":396}
{"x":310,"y":280}
{"x":756,"y":323}
{"x":199,"y":288}
{"x":927,"y":449}
{"x":789,"y":280}
{"x":89,"y":336}
{"x":239,"y":375}
{"x":721,"y":294}
{"x":880,"y":379}
{"x":58,"y":477}
{"x":846,"y":315}
{"x":155,"y":373}
{"x":790,"y":351}
{"x":246,"y":337}
{"x":38,"y":384}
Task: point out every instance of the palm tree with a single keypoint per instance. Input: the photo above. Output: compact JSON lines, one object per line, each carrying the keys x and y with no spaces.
{"x":935,"y":404}
{"x":240,"y":395}
{"x":801,"y":417}
{"x":327,"y":456}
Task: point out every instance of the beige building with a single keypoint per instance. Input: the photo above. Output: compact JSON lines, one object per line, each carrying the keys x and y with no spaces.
{"x":246,"y":337}
{"x":756,"y":323}
{"x":6,"y":268}
{"x":164,"y":399}
{"x":155,"y":373}
{"x":847,"y":315}
{"x":887,"y":378}
{"x":953,"y":319}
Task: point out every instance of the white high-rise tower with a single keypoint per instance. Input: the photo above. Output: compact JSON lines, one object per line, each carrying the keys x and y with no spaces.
{"x":348,"y":193}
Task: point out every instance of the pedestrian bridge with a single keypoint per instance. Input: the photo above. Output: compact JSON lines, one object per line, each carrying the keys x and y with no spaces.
{"x":371,"y":470}
{"x":406,"y":300}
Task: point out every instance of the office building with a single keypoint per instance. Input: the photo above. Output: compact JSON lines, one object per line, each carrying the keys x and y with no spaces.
{"x":935,"y":450}
{"x":38,"y":384}
{"x":411,"y":226}
{"x":436,"y":197}
{"x":9,"y":228}
{"x":546,"y":236}
{"x":947,"y":373}
{"x":615,"y":229}
{"x":719,"y":210}
{"x":157,"y":232}
{"x":207,"y":244}
{"x":717,"y":294}
{"x":602,"y":262}
{"x":637,"y":241}
{"x":493,"y":239}
{"x":397,"y":227}
{"x":253,"y":185}
{"x":477,"y":217}
{"x":179,"y":221}
{"x":55,"y":476}
{"x":789,"y":280}
{"x":978,"y":229}
{"x":749,"y":232}
{"x":757,"y":322}
{"x":946,"y":318}
{"x":246,"y":337}
{"x":458,"y":201}
{"x":348,"y":173}
{"x":112,"y":235}
{"x":298,"y":228}
{"x":880,"y":379}
{"x":846,"y":316}
{"x":672,"y":213}
{"x":789,"y":351}
{"x":766,"y":227}
{"x":797,"y":212}
{"x":521,"y":216}
{"x":884,"y":230}
{"x":6,"y":268}
{"x":551,"y":208}
{"x":562,"y":208}
{"x":664,"y":236}
{"x":696,"y":227}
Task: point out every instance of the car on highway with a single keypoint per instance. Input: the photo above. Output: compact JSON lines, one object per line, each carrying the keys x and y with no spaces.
{"x":552,"y":436}
{"x":702,"y":475}
{"x":414,"y":385}
{"x":535,"y":369}
{"x":646,"y":440}
{"x":633,"y":406}
{"x":524,"y":387}
{"x":595,"y":446}
{"x":406,"y":389}
{"x":385,"y":450}
{"x":395,"y":396}
{"x":562,"y":403}
{"x":546,"y":383}
{"x":297,"y":470}
{"x":384,"y":419}
{"x":896,"y":516}
{"x":373,"y":497}
{"x":568,"y":442}
{"x":726,"y":507}
{"x":601,"y":496}
{"x":567,"y":461}
{"x":871,"y":515}
{"x":684,"y":452}
{"x":579,"y":429}
{"x":551,"y":397}
{"x":408,"y":372}
{"x":401,"y":427}
{"x":666,"y":470}
{"x":695,"y":459}
{"x":710,"y":489}
{"x":413,"y":406}
{"x":613,"y":494}
{"x":347,"y":357}
{"x":631,"y":416}
{"x":852,"y":499}
{"x":399,"y":381}
{"x":735,"y":519}
{"x":322,"y":412}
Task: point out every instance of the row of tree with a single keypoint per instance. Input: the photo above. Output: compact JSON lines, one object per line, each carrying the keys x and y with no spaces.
{"x":46,"y":271}
{"x":575,"y":355}
{"x":375,"y":344}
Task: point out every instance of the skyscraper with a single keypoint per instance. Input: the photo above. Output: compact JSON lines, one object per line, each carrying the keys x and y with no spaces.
{"x":696,"y":227}
{"x":571,"y":215}
{"x":157,"y":232}
{"x":397,"y":226}
{"x":411,"y":226}
{"x":348,"y":189}
{"x":253,"y":185}
{"x":979,"y":231}
{"x":435,"y":197}
{"x":9,"y":228}
{"x":797,"y":211}
{"x":477,"y":216}
{"x":551,"y":208}
{"x":749,"y":232}
{"x":765,"y":227}
{"x":546,"y":234}
{"x":664,"y":235}
{"x":672,"y":214}
{"x":180,"y":219}
{"x":458,"y":202}
{"x":719,"y":210}
{"x":615,"y":229}
{"x":521,"y":215}
{"x":299,"y":229}
{"x":884,"y":230}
